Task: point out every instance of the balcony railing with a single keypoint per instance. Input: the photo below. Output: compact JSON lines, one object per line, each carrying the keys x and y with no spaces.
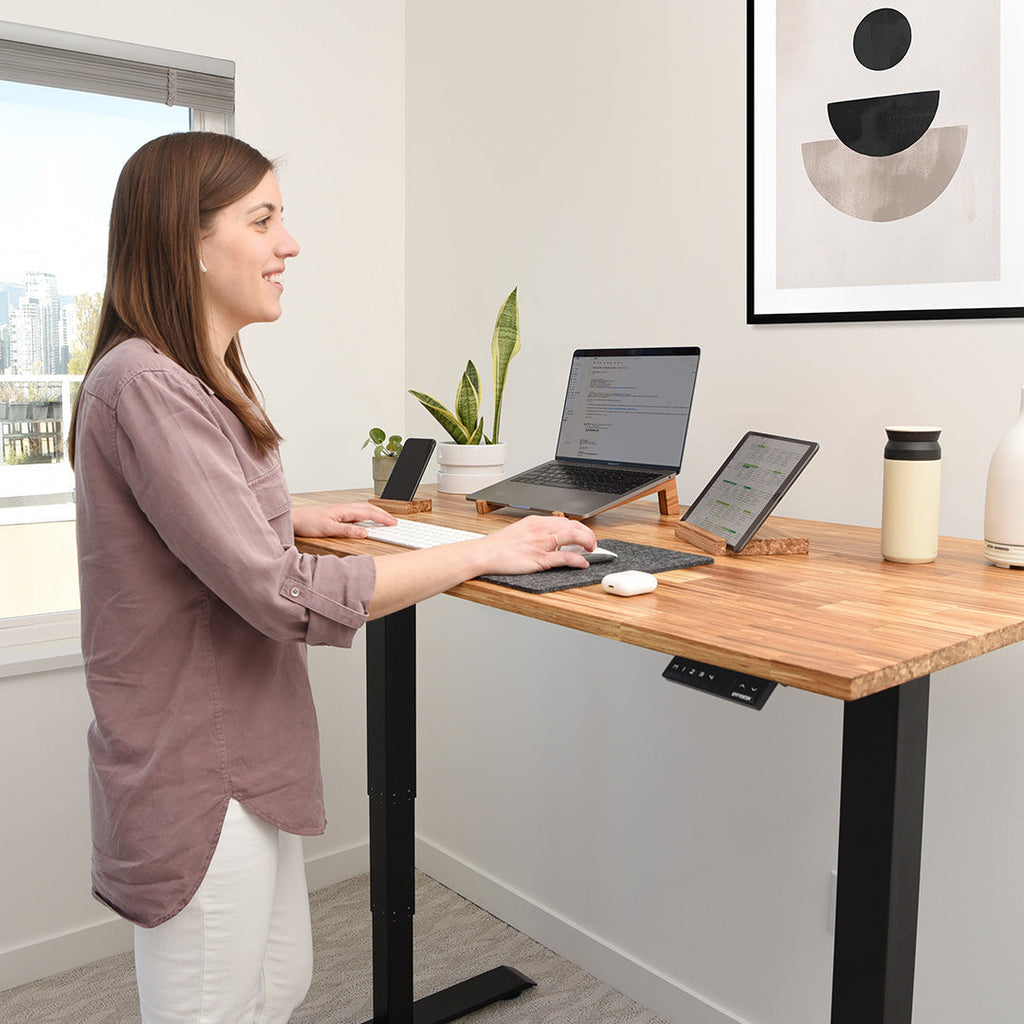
{"x":36,"y":482}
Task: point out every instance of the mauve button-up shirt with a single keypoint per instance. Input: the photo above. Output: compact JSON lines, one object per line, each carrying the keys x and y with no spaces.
{"x":196,"y":611}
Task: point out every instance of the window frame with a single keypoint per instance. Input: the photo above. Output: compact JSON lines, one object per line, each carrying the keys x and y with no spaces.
{"x":40,"y":643}
{"x":80,"y":63}
{"x":68,"y":60}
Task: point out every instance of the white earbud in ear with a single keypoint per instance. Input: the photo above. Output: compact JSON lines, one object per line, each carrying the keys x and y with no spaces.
{"x":202,"y":266}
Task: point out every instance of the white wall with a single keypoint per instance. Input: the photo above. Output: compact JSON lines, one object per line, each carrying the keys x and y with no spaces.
{"x":322,"y":85}
{"x":594,"y":154}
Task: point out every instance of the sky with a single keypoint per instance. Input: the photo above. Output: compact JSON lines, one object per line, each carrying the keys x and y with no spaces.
{"x":60,"y":155}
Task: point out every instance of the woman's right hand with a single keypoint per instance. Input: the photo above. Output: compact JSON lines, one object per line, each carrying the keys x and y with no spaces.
{"x":528,"y":545}
{"x":534,"y":544}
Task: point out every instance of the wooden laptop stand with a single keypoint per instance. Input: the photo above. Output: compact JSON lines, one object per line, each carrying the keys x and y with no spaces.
{"x":668,"y":501}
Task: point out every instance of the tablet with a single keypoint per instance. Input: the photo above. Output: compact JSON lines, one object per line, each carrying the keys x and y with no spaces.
{"x":750,"y":483}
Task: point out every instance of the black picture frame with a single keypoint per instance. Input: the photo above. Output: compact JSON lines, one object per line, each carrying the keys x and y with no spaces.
{"x":881,"y":300}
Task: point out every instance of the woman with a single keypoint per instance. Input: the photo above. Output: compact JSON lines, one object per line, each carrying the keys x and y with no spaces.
{"x":196,"y":605}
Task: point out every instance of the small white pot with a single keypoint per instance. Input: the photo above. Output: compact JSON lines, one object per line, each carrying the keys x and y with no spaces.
{"x":464,"y":468}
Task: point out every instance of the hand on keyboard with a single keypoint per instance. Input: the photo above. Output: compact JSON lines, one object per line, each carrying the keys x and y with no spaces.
{"x":338,"y":520}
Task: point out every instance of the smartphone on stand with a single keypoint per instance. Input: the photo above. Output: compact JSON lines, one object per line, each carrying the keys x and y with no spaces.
{"x":409,"y":469}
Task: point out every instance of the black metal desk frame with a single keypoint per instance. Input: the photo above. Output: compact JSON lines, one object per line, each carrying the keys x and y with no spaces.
{"x":881,"y":815}
{"x":391,"y":778}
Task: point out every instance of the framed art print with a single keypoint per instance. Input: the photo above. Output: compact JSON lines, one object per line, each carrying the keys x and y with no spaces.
{"x":885,"y":176}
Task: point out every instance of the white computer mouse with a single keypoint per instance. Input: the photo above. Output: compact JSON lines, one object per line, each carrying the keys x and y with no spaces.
{"x":629,"y":583}
{"x":597,"y":555}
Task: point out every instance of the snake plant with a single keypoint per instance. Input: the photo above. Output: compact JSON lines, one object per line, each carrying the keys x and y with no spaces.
{"x":464,"y":424}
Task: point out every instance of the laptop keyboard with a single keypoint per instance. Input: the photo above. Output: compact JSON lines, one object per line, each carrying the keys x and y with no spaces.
{"x":587,"y":478}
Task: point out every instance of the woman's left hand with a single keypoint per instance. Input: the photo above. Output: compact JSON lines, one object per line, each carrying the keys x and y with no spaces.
{"x":337,"y":520}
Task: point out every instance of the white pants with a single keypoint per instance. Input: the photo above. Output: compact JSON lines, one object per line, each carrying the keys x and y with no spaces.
{"x":241,"y":951}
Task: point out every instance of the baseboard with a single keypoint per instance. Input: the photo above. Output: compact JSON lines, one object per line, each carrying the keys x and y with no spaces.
{"x":109,"y":938}
{"x":339,"y":866}
{"x":62,"y":952}
{"x":644,"y":984}
{"x":615,"y":967}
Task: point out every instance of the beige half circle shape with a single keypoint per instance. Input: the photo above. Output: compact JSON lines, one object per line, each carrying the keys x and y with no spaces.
{"x":884,"y":188}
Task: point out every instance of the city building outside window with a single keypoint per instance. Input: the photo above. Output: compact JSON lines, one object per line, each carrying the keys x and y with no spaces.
{"x":74,"y":108}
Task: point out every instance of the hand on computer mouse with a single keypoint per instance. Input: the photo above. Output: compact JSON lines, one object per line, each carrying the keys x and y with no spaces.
{"x":597,"y":555}
{"x":536,"y":543}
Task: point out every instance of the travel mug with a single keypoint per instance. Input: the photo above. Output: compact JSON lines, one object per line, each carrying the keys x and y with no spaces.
{"x":910,"y":494}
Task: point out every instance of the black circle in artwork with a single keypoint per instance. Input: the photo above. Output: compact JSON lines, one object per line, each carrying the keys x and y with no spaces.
{"x":882,"y":39}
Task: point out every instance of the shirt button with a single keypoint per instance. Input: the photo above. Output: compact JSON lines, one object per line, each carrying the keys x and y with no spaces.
{"x":295,"y":591}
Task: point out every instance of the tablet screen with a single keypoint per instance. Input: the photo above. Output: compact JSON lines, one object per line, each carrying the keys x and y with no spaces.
{"x":742,"y":494}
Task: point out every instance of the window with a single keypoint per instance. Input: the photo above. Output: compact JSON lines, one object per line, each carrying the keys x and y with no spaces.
{"x":74,"y":108}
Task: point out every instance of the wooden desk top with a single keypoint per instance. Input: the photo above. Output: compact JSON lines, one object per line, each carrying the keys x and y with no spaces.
{"x":839,"y":621}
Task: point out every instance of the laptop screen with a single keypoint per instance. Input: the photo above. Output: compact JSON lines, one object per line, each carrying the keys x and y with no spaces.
{"x":628,"y":406}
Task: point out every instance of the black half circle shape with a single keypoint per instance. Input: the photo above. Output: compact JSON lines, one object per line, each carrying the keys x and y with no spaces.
{"x":883,"y":125}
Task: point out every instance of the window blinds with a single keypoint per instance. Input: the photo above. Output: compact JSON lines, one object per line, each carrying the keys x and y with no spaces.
{"x":65,"y":60}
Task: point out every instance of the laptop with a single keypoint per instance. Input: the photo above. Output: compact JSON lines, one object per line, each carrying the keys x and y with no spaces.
{"x":623,"y":431}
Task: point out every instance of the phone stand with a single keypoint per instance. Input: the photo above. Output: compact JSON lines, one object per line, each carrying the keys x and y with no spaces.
{"x":668,"y":501}
{"x":767,"y":541}
{"x":403,"y":508}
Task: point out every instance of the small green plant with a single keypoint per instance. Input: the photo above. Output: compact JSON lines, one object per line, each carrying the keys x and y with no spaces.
{"x":465,"y":425}
{"x":384,"y":446}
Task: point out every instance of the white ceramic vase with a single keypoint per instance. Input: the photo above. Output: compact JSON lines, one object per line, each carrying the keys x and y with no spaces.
{"x":464,"y":468}
{"x":1004,"y":498}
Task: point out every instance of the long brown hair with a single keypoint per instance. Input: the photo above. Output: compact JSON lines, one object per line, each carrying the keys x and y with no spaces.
{"x":166,"y":200}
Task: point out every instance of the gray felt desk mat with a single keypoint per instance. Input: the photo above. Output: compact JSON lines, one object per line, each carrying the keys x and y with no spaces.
{"x":631,"y":556}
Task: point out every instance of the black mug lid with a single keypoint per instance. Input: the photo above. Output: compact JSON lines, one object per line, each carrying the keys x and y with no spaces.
{"x":913,"y":433}
{"x":913,"y":444}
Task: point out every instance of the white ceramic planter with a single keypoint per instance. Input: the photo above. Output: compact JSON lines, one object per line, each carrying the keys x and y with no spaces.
{"x":463,"y":468}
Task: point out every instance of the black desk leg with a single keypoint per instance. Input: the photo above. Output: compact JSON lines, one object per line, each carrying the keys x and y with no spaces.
{"x":880,"y":819}
{"x":391,"y":776}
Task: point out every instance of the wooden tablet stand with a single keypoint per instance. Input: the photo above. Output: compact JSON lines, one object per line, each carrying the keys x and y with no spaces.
{"x":403,"y":508}
{"x":668,"y":501}
{"x":767,"y":541}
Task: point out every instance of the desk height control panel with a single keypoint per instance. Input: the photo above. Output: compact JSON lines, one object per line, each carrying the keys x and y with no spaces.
{"x":737,"y":687}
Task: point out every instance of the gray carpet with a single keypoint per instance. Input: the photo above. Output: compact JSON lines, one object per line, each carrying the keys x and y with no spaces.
{"x":453,"y":940}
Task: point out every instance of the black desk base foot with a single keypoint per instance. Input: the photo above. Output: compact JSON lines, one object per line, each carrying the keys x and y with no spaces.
{"x":465,"y":997}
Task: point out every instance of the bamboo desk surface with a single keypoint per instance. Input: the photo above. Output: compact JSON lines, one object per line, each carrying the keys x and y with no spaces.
{"x":838,"y":621}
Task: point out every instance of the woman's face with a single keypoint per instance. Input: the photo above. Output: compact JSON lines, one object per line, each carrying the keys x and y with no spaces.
{"x":244,"y":258}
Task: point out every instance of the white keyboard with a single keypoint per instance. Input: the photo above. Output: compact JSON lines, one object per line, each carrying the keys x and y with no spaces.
{"x":413,"y":533}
